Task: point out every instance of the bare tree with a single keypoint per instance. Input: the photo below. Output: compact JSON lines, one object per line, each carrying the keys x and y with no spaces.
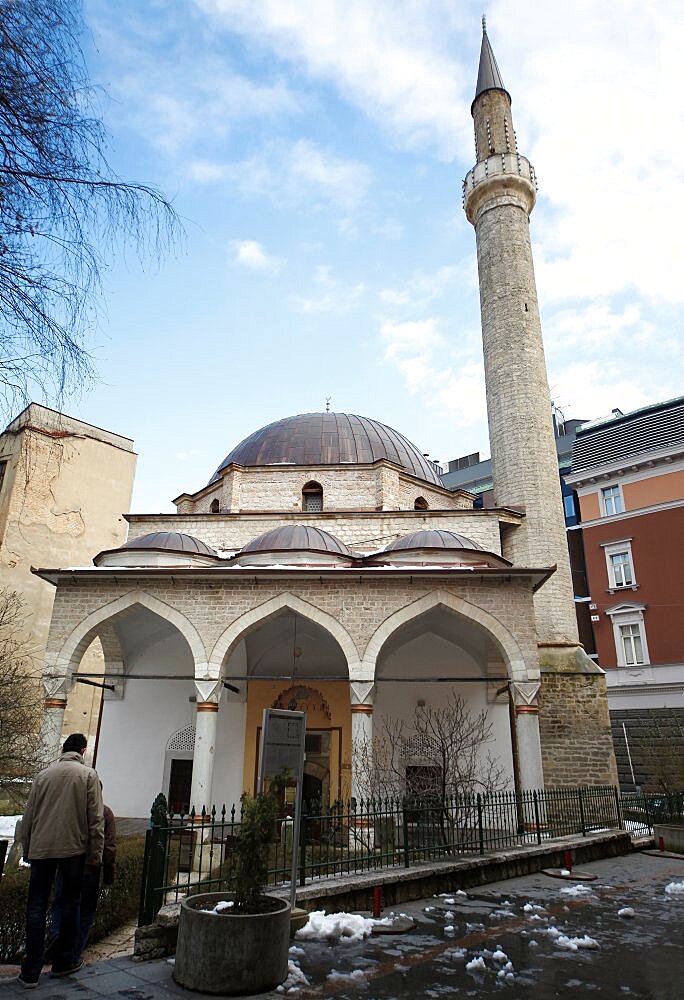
{"x":20,"y":700}
{"x":62,"y":208}
{"x":436,"y":764}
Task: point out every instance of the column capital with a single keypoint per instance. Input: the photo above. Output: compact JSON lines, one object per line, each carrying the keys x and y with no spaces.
{"x":207,"y":692}
{"x":55,"y":687}
{"x":526,"y":697}
{"x":362,"y":694}
{"x":58,"y":703}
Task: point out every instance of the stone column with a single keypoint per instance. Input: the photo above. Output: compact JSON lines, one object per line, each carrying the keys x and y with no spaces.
{"x":526,"y":704}
{"x":362,"y":693}
{"x":51,"y":729}
{"x":207,"y":694}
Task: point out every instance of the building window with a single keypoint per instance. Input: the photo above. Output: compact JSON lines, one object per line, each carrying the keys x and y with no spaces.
{"x":214,"y":506}
{"x":569,"y":505}
{"x":3,"y":469}
{"x":611,"y":499}
{"x":619,"y":564}
{"x":632,"y":647}
{"x":312,"y":497}
{"x":629,"y":632}
{"x":420,"y":503}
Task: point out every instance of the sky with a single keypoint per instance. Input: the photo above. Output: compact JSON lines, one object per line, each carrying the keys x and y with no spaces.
{"x":315,"y":150}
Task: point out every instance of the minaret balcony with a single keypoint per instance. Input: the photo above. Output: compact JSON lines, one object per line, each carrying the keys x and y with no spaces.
{"x":503,"y":169}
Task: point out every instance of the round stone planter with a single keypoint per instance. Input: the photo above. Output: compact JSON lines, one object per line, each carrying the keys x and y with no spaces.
{"x":231,"y":953}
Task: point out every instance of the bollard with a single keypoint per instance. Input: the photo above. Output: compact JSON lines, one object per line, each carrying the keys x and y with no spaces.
{"x":377,"y":900}
{"x":661,"y":843}
{"x":568,"y":860}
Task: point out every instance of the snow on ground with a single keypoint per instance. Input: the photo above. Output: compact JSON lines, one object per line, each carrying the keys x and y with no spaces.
{"x":294,"y":950}
{"x":346,"y":977}
{"x":323,"y":926}
{"x":7,"y":825}
{"x":577,"y":890}
{"x":223,"y":904}
{"x":566,"y":943}
{"x":674,"y":889}
{"x":533,"y":908}
{"x":476,"y":964}
{"x":626,"y":911}
{"x":295,"y":979}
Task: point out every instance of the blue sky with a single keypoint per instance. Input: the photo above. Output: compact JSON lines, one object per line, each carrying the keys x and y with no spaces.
{"x":315,"y":150}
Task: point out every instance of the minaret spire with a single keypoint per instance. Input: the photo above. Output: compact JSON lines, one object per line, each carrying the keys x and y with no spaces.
{"x":488,"y":75}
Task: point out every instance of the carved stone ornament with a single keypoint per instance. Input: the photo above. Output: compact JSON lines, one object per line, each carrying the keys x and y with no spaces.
{"x":55,"y":687}
{"x":526,"y":692}
{"x":208,"y":690}
{"x":362,"y":692}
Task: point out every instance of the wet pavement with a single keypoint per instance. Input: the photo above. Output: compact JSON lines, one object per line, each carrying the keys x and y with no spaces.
{"x":523,"y":937}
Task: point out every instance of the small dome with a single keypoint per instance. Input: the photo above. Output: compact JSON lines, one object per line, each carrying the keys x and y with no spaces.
{"x":329,"y":439}
{"x":432,"y":539}
{"x":298,"y":537}
{"x":171,"y":541}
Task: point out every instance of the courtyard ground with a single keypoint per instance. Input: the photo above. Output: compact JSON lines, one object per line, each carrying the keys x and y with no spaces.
{"x":531,"y":936}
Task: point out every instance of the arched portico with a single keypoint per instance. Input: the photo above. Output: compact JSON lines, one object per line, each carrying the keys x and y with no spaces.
{"x":256,"y":617}
{"x":439,"y":646}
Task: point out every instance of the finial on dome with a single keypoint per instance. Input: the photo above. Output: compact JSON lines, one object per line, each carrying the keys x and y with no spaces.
{"x":484,"y":24}
{"x":327,"y":403}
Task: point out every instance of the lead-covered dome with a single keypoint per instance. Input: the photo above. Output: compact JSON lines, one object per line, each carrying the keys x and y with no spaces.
{"x":159,"y":548}
{"x":293,"y":543}
{"x":432,"y":538}
{"x":329,"y":439}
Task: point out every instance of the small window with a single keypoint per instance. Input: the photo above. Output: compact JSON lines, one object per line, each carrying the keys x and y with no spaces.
{"x":3,"y":469}
{"x":214,"y":507}
{"x":312,"y":497}
{"x":632,"y":645}
{"x":569,"y":505}
{"x":420,"y":503}
{"x":612,"y":500}
{"x":619,"y":564}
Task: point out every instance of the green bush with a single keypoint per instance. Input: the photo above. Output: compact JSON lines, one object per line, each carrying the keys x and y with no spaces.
{"x":13,"y":893}
{"x":118,"y":902}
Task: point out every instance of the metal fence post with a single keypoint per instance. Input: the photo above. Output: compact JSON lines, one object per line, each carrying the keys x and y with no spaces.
{"x":156,"y":840}
{"x":302,"y":845}
{"x":3,"y":854}
{"x":618,"y":811}
{"x":480,"y":831}
{"x":404,"y":820}
{"x":535,"y":800}
{"x":583,"y":825}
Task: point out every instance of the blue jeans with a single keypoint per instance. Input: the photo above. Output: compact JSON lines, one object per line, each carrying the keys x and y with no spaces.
{"x":90,"y":893}
{"x":43,"y":874}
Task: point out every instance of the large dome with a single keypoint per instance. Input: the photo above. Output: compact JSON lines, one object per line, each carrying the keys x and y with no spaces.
{"x":329,"y":439}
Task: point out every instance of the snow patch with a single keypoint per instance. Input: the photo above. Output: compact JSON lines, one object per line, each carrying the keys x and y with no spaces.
{"x":294,"y":950}
{"x":348,"y":927}
{"x":674,"y":889}
{"x":223,"y":904}
{"x":577,"y":890}
{"x":7,"y":826}
{"x":345,"y":977}
{"x":626,"y":911}
{"x":533,"y":908}
{"x":295,"y":979}
{"x":476,"y":964}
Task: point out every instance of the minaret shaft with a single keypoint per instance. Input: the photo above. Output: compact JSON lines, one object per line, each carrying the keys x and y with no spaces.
{"x":499,"y":194}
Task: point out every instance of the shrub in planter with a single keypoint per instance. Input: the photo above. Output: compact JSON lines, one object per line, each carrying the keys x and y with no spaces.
{"x":241,"y":947}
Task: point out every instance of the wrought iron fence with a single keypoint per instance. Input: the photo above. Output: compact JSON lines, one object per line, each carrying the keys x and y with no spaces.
{"x":641,"y":810}
{"x":187,"y":854}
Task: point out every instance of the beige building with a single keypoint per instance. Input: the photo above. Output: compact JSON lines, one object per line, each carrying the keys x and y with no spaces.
{"x":64,"y":487}
{"x":324,"y":567}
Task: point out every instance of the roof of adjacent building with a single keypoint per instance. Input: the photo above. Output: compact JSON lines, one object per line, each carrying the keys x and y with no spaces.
{"x":171,"y":541}
{"x":329,"y":439}
{"x":296,"y":536}
{"x":623,"y":435}
{"x":432,"y":539}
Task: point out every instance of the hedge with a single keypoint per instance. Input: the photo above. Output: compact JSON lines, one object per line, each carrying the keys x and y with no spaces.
{"x":118,"y":902}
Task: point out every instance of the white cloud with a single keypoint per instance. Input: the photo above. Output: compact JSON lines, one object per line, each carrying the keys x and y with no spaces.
{"x":251,"y":254}
{"x":206,"y":171}
{"x":422,"y":289}
{"x":335,"y":296}
{"x":394,"y":61}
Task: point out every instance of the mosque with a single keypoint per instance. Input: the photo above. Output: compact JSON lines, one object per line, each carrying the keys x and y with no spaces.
{"x":325,"y":568}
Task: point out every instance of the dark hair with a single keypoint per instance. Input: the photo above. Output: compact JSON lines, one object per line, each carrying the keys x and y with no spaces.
{"x":74,"y":743}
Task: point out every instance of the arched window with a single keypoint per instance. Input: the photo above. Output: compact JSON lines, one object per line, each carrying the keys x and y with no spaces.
{"x":312,"y":497}
{"x":214,"y":507}
{"x":420,"y":503}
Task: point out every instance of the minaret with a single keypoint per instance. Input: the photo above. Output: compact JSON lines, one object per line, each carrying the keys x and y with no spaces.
{"x":498,"y":195}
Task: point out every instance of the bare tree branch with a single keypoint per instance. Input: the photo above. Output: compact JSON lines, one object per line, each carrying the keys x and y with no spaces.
{"x":20,"y":699}
{"x":63,"y":211}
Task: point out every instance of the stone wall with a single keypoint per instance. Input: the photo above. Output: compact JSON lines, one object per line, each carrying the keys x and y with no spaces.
{"x":353,"y":487}
{"x":359,"y":604}
{"x":654,"y":740}
{"x":574,"y":726}
{"x":363,"y":532}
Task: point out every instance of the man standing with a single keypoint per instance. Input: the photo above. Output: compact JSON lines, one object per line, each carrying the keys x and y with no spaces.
{"x":63,"y":830}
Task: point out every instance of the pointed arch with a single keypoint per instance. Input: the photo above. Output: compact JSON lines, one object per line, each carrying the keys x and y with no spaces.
{"x":513,"y":657}
{"x":76,"y":644}
{"x":250,"y":620}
